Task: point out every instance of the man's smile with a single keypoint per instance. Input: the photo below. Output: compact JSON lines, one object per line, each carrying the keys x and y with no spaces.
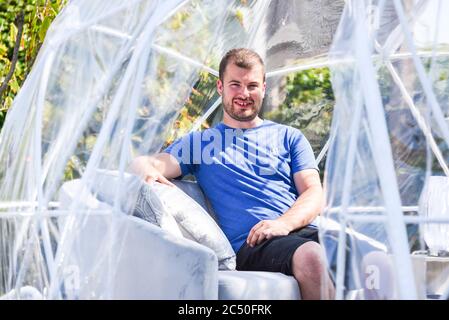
{"x":243,"y":103}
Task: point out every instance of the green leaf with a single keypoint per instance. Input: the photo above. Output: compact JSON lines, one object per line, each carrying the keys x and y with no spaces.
{"x":43,"y":28}
{"x":14,"y":85}
{"x":12,"y":32}
{"x":3,"y":49}
{"x":8,"y":103}
{"x":55,"y":6}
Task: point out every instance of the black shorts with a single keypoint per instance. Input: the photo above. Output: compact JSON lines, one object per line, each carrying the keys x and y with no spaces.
{"x":276,"y":254}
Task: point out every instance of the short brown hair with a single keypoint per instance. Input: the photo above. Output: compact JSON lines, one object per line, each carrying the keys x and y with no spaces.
{"x":241,"y":57}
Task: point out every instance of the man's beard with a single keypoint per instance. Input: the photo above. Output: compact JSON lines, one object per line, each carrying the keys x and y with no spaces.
{"x":241,"y":115}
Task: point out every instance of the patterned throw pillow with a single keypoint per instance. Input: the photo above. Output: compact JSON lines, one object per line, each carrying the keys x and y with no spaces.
{"x":150,"y":209}
{"x":195,"y":223}
{"x":168,"y":207}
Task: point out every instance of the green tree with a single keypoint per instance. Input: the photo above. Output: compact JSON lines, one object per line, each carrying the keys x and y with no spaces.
{"x":308,"y":105}
{"x":23,"y":25}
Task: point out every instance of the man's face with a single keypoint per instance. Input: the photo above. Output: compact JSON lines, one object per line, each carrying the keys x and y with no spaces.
{"x":242,"y":91}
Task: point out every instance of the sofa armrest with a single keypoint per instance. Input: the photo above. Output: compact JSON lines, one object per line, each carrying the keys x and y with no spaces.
{"x":124,"y":257}
{"x":158,"y":265}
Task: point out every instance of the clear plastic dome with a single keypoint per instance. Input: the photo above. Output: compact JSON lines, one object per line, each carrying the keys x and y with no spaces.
{"x":115,"y":80}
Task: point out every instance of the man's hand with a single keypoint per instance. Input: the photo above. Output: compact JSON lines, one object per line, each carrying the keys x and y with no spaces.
{"x":300,"y":214}
{"x":267,"y":229}
{"x":152,"y":175}
{"x":145,"y":168}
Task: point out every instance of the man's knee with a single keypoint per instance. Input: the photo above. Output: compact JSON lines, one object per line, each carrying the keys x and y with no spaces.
{"x":308,"y":261}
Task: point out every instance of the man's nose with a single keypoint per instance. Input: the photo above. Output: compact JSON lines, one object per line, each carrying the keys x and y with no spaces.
{"x":244,"y":92}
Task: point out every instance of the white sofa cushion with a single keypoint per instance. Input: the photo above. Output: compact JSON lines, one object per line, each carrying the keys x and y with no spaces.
{"x":75,"y":190}
{"x":256,"y":285}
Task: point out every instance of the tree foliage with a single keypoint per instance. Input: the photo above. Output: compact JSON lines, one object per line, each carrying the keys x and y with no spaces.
{"x":23,"y":25}
{"x":308,"y":104}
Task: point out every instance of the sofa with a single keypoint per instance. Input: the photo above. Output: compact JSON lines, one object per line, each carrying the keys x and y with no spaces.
{"x":119,"y":256}
{"x":150,"y":263}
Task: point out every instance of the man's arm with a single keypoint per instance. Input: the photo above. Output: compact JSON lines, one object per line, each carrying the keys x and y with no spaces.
{"x":310,"y":202}
{"x":159,"y":167}
{"x":305,"y":209}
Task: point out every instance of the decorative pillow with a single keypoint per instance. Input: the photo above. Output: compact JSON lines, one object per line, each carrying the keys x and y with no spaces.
{"x":150,"y":209}
{"x":133,"y":199}
{"x":168,"y":207}
{"x":195,"y":223}
{"x":193,"y":190}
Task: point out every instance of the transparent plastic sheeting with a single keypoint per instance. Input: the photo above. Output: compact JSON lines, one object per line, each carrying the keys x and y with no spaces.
{"x":113,"y":81}
{"x":109,"y":84}
{"x":387,"y":165}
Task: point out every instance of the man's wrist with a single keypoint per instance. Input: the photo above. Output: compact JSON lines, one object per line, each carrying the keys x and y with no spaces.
{"x":294,"y":221}
{"x":286,"y":221}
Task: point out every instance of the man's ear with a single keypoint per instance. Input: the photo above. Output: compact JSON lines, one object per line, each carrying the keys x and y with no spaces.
{"x":219,"y":87}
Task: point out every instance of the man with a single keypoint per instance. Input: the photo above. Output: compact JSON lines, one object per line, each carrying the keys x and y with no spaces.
{"x":261,"y":178}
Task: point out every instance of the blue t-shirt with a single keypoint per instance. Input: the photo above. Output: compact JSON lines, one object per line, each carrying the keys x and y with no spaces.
{"x":247,"y":174}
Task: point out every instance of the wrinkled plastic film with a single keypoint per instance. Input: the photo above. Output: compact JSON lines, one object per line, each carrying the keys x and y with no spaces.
{"x":415,"y":138}
{"x":125,"y":79}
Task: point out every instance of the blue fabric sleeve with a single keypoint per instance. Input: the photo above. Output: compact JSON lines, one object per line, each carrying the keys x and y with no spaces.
{"x":181,"y":150}
{"x":301,"y":152}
